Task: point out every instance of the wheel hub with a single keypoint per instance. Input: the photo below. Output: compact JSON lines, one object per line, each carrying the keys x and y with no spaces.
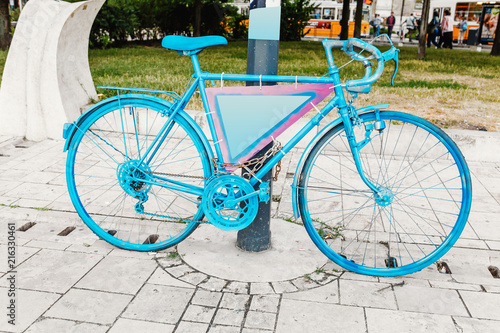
{"x":384,"y":197}
{"x":134,"y":178}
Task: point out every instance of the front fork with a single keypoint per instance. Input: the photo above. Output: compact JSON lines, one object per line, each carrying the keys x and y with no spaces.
{"x":351,"y":119}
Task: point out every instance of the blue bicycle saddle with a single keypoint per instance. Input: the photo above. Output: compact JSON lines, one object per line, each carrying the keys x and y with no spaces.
{"x":191,"y":45}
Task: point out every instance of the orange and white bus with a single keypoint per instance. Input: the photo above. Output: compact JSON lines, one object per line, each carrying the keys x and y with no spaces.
{"x":325,"y":20}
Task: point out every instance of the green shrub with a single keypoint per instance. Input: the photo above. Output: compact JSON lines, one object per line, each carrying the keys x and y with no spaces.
{"x":295,"y":15}
{"x":119,"y":21}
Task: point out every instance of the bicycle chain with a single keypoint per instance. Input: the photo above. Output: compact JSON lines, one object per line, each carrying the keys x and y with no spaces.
{"x":166,"y":217}
{"x":175,"y":175}
{"x":257,"y":163}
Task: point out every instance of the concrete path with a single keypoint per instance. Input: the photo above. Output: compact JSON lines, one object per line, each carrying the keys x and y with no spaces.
{"x":78,"y":283}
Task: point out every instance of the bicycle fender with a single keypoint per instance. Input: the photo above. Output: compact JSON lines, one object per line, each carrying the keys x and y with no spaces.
{"x":70,"y":129}
{"x":310,"y":146}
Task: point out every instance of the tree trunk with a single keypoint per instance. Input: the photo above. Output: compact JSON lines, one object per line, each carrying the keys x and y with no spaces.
{"x":4,"y":25}
{"x":197,"y":18}
{"x":495,"y":50}
{"x":423,"y":29}
{"x":344,"y":23}
{"x":358,"y":18}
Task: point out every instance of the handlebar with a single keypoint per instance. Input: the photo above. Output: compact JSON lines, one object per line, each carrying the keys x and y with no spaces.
{"x":363,"y":84}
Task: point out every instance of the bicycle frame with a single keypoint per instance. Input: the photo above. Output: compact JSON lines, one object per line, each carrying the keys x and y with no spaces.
{"x":199,"y":76}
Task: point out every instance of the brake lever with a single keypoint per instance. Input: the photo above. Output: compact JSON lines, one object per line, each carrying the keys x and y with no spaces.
{"x":396,"y":66}
{"x":392,"y":54}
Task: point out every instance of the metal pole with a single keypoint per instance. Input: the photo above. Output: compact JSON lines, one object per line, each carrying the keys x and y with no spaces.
{"x":401,"y":31}
{"x":257,"y":236}
{"x":263,"y":44}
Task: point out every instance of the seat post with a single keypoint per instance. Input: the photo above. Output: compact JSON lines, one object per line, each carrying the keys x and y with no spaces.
{"x":196,"y":65}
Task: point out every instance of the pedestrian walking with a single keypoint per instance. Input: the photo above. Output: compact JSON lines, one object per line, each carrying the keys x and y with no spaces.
{"x":390,"y":22}
{"x":447,"y":28}
{"x":462,"y":28}
{"x":433,"y":28}
{"x":375,"y":23}
{"x":418,"y":24}
{"x":410,"y":25}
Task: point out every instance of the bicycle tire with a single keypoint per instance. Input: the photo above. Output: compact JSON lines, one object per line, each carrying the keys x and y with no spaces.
{"x":104,"y":181}
{"x":421,"y":168}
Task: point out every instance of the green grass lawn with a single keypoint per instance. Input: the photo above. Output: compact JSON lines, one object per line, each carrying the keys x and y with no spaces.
{"x":453,"y":88}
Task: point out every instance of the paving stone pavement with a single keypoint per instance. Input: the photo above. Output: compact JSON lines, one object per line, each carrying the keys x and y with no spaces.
{"x":79,"y":283}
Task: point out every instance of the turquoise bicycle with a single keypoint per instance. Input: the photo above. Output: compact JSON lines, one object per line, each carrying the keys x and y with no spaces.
{"x":379,"y":192}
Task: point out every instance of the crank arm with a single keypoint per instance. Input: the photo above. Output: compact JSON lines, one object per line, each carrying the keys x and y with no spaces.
{"x":233,"y":202}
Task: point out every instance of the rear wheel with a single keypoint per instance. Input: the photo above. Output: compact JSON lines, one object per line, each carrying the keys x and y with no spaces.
{"x":417,"y":217}
{"x":120,"y":194}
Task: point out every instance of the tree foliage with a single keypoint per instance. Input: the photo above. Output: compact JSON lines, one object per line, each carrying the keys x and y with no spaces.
{"x":295,"y":16}
{"x":236,"y":23}
{"x":117,"y":20}
{"x":121,"y":20}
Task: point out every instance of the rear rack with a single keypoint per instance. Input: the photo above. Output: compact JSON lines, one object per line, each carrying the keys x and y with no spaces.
{"x":171,"y":94}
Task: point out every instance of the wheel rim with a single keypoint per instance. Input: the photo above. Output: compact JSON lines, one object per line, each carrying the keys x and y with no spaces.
{"x":108,"y":183}
{"x":416,"y":219}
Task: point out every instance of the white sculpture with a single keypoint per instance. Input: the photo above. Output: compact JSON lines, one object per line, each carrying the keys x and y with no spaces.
{"x":46,"y":79}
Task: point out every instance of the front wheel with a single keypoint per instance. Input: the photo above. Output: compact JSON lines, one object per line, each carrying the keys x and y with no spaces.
{"x":131,"y":199}
{"x":420,"y":212}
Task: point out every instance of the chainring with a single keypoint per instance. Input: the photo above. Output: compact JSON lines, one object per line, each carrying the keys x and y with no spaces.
{"x":221,"y":206}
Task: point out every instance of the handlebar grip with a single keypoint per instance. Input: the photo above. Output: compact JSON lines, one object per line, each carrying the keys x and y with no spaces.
{"x":367,"y":80}
{"x":361,"y":85}
{"x":329,"y":43}
{"x":354,"y":42}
